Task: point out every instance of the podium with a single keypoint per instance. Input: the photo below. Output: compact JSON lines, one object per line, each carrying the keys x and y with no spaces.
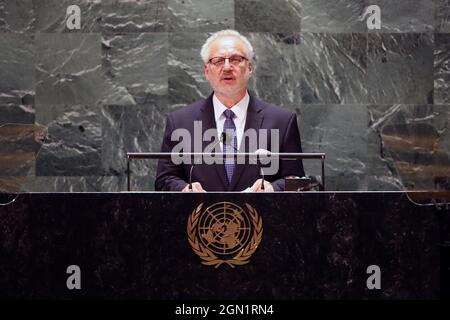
{"x":136,"y":246}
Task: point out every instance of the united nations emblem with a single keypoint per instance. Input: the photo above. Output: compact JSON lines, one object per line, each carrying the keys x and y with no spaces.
{"x":224,"y":233}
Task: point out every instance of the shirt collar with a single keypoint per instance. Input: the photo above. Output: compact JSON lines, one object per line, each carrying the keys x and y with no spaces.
{"x":239,"y":109}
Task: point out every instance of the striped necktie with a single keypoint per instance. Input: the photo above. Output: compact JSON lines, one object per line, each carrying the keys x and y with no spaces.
{"x":230,"y":146}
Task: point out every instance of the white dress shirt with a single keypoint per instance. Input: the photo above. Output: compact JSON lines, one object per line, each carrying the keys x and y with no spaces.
{"x":240,"y":111}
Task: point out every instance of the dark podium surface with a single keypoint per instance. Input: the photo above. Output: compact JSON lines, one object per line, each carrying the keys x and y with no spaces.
{"x":135,"y":246}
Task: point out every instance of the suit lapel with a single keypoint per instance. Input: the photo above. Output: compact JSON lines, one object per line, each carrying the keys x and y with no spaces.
{"x":209,"y":122}
{"x":253,"y":121}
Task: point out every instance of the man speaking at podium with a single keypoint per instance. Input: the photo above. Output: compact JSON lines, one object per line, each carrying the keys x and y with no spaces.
{"x":227,"y":57}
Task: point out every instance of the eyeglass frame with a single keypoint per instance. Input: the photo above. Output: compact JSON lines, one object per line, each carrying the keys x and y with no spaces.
{"x":224,"y":59}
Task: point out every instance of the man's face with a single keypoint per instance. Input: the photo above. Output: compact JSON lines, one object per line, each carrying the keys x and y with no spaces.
{"x":231,"y":78}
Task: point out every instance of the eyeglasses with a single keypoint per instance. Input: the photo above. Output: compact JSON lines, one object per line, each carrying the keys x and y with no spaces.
{"x":233,"y":60}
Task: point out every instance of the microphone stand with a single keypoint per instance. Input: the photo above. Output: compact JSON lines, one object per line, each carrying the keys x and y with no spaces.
{"x":262,"y":179}
{"x":262,"y":176}
{"x":226,"y":142}
{"x":190,"y":177}
{"x":222,"y":138}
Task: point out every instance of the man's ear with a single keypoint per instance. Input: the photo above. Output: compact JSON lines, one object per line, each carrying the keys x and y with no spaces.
{"x":250,"y":68}
{"x":205,"y":70}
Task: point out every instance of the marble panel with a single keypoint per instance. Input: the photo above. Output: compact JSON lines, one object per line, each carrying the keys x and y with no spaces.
{"x":336,"y":16}
{"x":68,"y":69}
{"x":441,"y":16}
{"x":400,"y":68}
{"x":340,"y":131}
{"x":200,"y":15}
{"x":16,"y":65}
{"x":334,"y":68}
{"x":442,"y":68}
{"x":275,"y":16}
{"x":123,"y":16}
{"x":72,"y":145}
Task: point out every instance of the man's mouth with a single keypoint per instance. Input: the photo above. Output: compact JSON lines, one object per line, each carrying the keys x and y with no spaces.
{"x":228,"y":78}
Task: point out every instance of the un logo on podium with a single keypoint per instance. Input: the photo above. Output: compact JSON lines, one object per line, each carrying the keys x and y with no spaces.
{"x":224,"y":233}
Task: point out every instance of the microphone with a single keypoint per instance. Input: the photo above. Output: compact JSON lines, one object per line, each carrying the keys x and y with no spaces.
{"x":222,"y":138}
{"x":227,"y":141}
{"x":266,"y":153}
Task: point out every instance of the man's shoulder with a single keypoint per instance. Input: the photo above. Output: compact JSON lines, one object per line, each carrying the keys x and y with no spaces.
{"x":273,"y":110}
{"x":188,"y":111}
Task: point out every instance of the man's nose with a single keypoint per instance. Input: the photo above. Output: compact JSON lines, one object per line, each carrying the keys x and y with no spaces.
{"x":227,"y":64}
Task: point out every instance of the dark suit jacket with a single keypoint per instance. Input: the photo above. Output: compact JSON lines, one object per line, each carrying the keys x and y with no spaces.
{"x":260,"y":115}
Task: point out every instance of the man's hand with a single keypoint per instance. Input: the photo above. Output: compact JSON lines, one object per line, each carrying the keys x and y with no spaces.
{"x":196,"y":187}
{"x":256,"y":187}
